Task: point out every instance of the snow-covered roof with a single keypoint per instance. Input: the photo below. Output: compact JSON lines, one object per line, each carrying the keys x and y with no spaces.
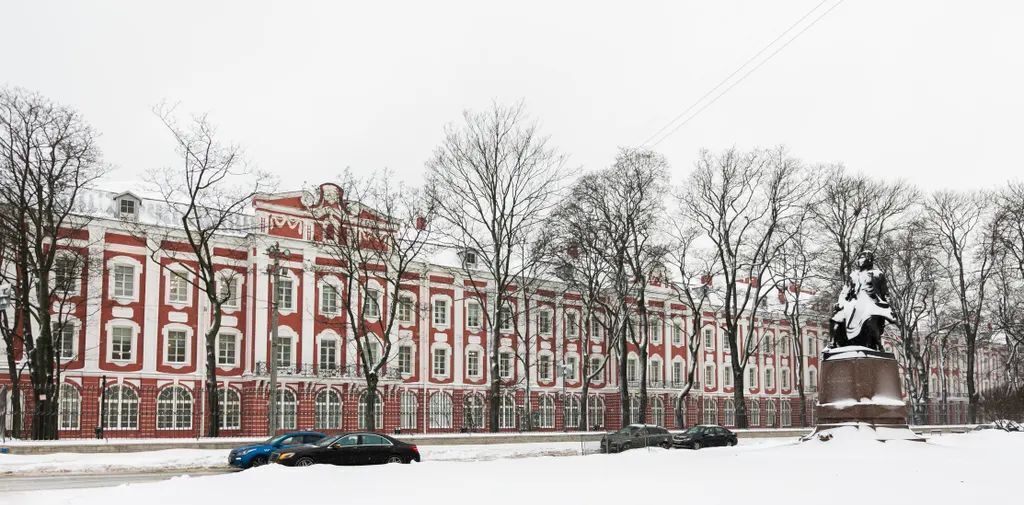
{"x":102,"y":204}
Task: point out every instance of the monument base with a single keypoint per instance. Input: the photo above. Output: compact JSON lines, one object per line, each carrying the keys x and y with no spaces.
{"x":863,"y":431}
{"x":859,"y":392}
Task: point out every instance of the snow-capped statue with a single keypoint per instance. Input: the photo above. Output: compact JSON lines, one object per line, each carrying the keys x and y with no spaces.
{"x":862,"y":309}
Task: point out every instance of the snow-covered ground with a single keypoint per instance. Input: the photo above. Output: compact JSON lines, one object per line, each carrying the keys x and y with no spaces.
{"x":970,"y":468}
{"x":190,"y":459}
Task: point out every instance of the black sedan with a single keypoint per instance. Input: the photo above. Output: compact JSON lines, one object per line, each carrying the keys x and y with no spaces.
{"x":705,"y":435}
{"x":634,"y":436}
{"x":349,"y":449}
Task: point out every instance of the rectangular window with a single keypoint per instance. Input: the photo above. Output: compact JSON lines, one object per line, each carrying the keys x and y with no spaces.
{"x":785,"y":379}
{"x":284,"y":293}
{"x":654,"y":371}
{"x":440,"y":312}
{"x":505,"y":319}
{"x":65,"y":275}
{"x":727,"y":376}
{"x":176,"y":346}
{"x":67,"y":341}
{"x":124,"y":281}
{"x":768,"y":378}
{"x":371,"y":303}
{"x":473,"y":363}
{"x":226,"y":347}
{"x":121,"y":343}
{"x":656,"y":331}
{"x":329,"y":300}
{"x":677,"y":372}
{"x":752,"y":378}
{"x":631,"y":369}
{"x":595,"y":365}
{"x":544,"y":368}
{"x":505,"y":365}
{"x":328,"y":354}
{"x":570,"y":368}
{"x":372,"y":349}
{"x":473,"y":315}
{"x":571,"y":329}
{"x":709,"y":340}
{"x":709,"y":375}
{"x":405,"y":359}
{"x":127,"y":207}
{"x":595,"y":328}
{"x":441,"y":362}
{"x":178,"y":288}
{"x":284,"y":352}
{"x":405,"y":309}
{"x":230,"y":292}
{"x":544,"y":322}
{"x":677,"y":334}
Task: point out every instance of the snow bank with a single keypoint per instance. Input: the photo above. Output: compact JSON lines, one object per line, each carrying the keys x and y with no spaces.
{"x":971,"y":468}
{"x":147,"y":461}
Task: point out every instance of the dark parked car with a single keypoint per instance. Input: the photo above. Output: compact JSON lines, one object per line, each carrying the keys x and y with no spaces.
{"x":705,"y":435}
{"x":636,"y":435}
{"x":349,"y":449}
{"x":259,"y":454}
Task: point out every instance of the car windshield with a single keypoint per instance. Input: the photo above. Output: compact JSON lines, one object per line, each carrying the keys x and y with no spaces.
{"x":324,"y":442}
{"x":275,"y":440}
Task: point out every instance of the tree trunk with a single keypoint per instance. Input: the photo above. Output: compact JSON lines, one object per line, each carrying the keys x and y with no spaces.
{"x":369,"y":416}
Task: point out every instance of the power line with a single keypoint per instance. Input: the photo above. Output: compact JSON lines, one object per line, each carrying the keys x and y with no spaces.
{"x":744,"y":76}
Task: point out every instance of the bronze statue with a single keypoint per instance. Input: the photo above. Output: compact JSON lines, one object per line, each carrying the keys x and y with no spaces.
{"x":862,"y":310}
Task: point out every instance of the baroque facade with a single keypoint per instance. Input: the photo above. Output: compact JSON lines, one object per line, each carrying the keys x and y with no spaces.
{"x":133,"y":354}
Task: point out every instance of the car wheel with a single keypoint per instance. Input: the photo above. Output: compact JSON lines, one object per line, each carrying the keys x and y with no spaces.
{"x":305,"y":462}
{"x":732,"y":443}
{"x":696,"y":446}
{"x":395,"y":459}
{"x":666,"y":445}
{"x":258,"y":461}
{"x":625,"y":447}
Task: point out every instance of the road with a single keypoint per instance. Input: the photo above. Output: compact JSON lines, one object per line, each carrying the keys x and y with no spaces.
{"x":14,"y":483}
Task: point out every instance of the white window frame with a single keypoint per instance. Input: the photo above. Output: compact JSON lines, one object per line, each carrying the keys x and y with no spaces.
{"x":327,"y":344}
{"x":441,"y":352}
{"x":330,"y":292}
{"x":406,"y":367}
{"x":474,"y":315}
{"x":133,"y":335}
{"x":440,"y":307}
{"x":572,"y":329}
{"x":406,"y":308}
{"x":473,"y":368}
{"x":179,"y":289}
{"x":544,"y":321}
{"x":223,"y":338}
{"x":709,"y":339}
{"x":505,"y":364}
{"x":371,"y":302}
{"x":544,"y":367}
{"x":184,"y":334}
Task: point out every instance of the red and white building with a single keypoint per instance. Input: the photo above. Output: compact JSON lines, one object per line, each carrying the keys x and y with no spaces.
{"x":134,"y":352}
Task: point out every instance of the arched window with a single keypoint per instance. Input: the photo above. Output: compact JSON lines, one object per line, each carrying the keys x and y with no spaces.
{"x":230,"y":408}
{"x":770,"y":412}
{"x":407,"y":410}
{"x":730,"y":412}
{"x":328,"y":410}
{"x":378,"y":411}
{"x":572,"y":412}
{"x":787,"y":413}
{"x":286,"y":406}
{"x":710,"y":411}
{"x":473,"y":412}
{"x":440,"y":415}
{"x":174,"y":409}
{"x":546,"y":417}
{"x":595,"y":412}
{"x":634,"y":409}
{"x":70,"y":407}
{"x":507,"y":412}
{"x":122,"y":408}
{"x":754,"y":413}
{"x":657,"y":411}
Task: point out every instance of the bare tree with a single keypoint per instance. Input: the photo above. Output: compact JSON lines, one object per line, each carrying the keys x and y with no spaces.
{"x":493,"y":180}
{"x":48,"y":156}
{"x":375,"y":230}
{"x":916,"y":296}
{"x":695,"y":270}
{"x":965,"y":233}
{"x":855,"y":213}
{"x":745,"y":204}
{"x":204,"y":202}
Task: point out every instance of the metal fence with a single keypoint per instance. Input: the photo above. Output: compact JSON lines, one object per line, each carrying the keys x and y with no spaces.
{"x":181,"y":410}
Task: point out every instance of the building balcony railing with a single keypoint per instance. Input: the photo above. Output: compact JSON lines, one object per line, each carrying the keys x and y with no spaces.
{"x":262,"y":369}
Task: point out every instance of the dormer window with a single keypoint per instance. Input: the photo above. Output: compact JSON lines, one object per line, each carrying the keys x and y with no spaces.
{"x":127,"y":206}
{"x":469,"y":258}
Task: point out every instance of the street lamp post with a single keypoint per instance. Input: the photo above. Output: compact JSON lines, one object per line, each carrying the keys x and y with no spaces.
{"x":274,"y":272}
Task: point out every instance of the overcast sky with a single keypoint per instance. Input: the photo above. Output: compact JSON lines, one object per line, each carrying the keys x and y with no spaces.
{"x":925,"y":90}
